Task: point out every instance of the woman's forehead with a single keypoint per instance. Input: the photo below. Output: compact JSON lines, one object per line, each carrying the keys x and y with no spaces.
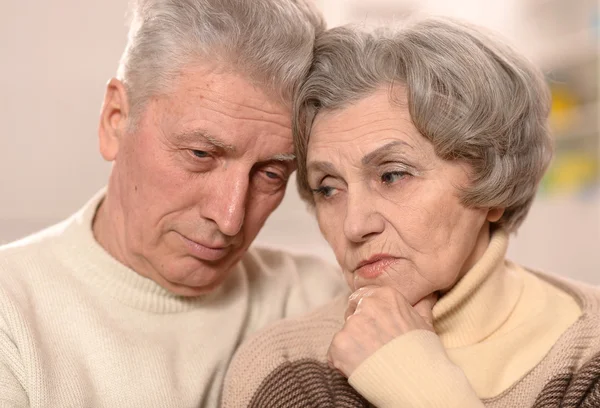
{"x":373,"y":113}
{"x":373,"y":139}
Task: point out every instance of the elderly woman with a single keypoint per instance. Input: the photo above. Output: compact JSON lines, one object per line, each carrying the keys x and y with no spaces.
{"x":421,"y":149}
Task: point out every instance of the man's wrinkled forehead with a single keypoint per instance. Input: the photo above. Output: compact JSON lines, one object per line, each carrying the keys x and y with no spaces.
{"x":232,"y":86}
{"x":209,"y":91}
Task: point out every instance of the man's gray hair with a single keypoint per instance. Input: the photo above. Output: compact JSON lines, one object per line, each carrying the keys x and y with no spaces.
{"x":270,"y":42}
{"x":473,"y":97}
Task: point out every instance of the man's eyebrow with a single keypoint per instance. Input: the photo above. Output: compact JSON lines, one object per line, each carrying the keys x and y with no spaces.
{"x":382,"y":151}
{"x":283,"y":157}
{"x":194,"y":136}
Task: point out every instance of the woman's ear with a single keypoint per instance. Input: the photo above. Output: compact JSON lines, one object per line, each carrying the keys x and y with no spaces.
{"x":113,"y":119}
{"x":494,"y":214}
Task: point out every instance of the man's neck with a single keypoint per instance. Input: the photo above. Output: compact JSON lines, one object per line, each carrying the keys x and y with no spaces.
{"x":105,"y":228}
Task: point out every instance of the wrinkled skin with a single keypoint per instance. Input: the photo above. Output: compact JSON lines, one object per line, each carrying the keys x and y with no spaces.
{"x":194,"y":182}
{"x":390,"y":208}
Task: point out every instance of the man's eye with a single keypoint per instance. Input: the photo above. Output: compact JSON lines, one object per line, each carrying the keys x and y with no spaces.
{"x":268,"y":181}
{"x":200,"y":153}
{"x":272,"y":175}
{"x":391,"y":177}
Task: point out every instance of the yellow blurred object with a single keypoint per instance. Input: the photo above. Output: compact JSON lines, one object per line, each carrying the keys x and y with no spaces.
{"x":571,"y":173}
{"x":563,"y":114}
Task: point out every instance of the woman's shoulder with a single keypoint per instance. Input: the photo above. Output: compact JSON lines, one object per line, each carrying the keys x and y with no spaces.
{"x":581,"y":341}
{"x":585,"y":294}
{"x":569,"y":375}
{"x":285,"y":365}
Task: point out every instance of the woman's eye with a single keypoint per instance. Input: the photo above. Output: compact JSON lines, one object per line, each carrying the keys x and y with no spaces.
{"x":200,"y":153}
{"x":391,"y":177}
{"x":324,"y":191}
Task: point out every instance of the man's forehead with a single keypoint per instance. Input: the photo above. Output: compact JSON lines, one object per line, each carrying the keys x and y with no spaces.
{"x":229,"y":86}
{"x":229,"y":110}
{"x":224,"y":110}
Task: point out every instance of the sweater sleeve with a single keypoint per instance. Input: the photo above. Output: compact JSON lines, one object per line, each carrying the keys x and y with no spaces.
{"x":12,"y":394}
{"x":577,"y":389}
{"x":414,"y":371}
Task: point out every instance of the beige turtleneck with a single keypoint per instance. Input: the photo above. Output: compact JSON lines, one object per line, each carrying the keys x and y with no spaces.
{"x":494,"y":326}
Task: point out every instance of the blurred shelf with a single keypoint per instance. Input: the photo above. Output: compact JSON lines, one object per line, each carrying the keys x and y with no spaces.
{"x":380,"y":9}
{"x":584,"y":12}
{"x":583,"y":123}
{"x":569,"y":50}
{"x":535,"y":5}
{"x":390,"y":5}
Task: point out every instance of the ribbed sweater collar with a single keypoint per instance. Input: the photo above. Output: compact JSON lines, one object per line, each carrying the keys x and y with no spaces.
{"x":482,"y":300}
{"x":91,"y":263}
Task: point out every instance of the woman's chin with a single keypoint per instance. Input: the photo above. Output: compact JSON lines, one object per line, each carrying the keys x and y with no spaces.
{"x":412,"y":293}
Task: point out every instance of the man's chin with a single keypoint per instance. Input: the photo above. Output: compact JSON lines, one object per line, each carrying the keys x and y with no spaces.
{"x":195,"y":288}
{"x":193,"y":279}
{"x":189,"y":276}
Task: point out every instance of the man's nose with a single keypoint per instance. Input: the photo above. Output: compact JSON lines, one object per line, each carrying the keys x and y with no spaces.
{"x":362,"y":219}
{"x":227,"y":205}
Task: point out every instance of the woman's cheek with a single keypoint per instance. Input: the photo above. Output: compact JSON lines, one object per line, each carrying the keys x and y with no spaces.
{"x":329,"y":222}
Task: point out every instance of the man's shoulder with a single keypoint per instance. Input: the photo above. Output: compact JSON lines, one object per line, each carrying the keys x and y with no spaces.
{"x":269,"y":260}
{"x":25,"y":258}
{"x":40,"y":247}
{"x":271,"y":267}
{"x":31,"y":246}
{"x":285,"y":284}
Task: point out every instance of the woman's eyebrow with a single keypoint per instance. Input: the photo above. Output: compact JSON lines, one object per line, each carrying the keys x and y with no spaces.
{"x":383,"y":151}
{"x":322,"y":166}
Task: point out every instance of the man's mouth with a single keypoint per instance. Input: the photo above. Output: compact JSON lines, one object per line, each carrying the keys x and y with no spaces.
{"x":206,"y":251}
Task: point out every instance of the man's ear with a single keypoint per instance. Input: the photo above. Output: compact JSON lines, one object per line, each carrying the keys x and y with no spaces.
{"x":494,"y":214}
{"x":113,"y":119}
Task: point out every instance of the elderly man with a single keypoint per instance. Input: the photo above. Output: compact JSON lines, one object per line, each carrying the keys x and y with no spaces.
{"x":141,"y":298}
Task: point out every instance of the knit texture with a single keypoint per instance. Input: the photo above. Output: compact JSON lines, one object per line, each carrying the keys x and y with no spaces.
{"x":505,"y":337}
{"x":79,"y":329}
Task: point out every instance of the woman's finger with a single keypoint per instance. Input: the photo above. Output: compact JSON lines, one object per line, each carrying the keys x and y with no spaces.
{"x":355,"y":298}
{"x":424,"y":308}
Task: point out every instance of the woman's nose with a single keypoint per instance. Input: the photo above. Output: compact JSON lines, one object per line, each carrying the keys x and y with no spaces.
{"x":362,"y":219}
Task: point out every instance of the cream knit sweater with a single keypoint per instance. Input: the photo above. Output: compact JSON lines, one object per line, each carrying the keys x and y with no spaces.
{"x":79,"y":329}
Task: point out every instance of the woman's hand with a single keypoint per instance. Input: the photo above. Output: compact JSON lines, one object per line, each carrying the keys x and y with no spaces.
{"x":374,"y":317}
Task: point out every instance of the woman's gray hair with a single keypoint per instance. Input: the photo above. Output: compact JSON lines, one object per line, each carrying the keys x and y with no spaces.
{"x":270,"y":42}
{"x":473,"y":97}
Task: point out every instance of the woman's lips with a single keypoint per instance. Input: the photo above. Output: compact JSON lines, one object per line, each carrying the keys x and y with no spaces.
{"x":375,"y":266}
{"x":204,"y":252}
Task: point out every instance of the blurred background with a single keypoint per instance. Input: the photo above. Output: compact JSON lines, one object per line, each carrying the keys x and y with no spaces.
{"x":56,"y":56}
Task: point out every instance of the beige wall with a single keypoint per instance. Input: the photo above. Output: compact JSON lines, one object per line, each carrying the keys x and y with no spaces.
{"x":56,"y":57}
